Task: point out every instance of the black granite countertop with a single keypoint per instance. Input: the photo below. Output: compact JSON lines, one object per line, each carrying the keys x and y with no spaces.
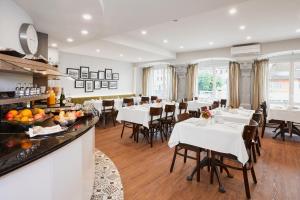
{"x":17,"y":149}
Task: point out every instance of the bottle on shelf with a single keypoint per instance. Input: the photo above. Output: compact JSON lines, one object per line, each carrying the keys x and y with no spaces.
{"x":17,"y":90}
{"x":27,"y":90}
{"x":22,"y":90}
{"x":62,"y":99}
{"x":38,"y":90}
{"x":52,"y":98}
{"x":31,"y":91}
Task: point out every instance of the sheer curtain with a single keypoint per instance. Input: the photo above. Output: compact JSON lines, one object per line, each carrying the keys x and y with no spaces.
{"x":174,"y":83}
{"x":260,"y":77}
{"x":146,"y":75}
{"x":234,"y":78}
{"x":160,"y":82}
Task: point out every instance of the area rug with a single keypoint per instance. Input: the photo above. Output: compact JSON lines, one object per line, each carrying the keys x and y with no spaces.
{"x":108,"y":184}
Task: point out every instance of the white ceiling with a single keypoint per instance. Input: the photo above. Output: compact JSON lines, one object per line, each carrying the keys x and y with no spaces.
{"x":116,"y":25}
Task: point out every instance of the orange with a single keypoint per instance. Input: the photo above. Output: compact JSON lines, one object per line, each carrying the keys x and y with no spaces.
{"x":13,"y":112}
{"x":26,"y":113}
{"x":24,"y":119}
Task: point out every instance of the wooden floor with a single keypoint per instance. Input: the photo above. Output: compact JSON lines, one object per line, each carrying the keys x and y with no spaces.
{"x":145,"y":171}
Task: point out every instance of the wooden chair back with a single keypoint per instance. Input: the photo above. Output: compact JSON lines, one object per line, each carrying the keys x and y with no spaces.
{"x":195,"y":98}
{"x":170,"y":111}
{"x":183,"y":107}
{"x":223,"y":102}
{"x":128,"y":101}
{"x":153,"y":98}
{"x":155,"y":112}
{"x":248,"y":135}
{"x":256,"y":117}
{"x":184,"y":100}
{"x":144,"y":100}
{"x":108,"y":105}
{"x":215,"y":104}
{"x":183,"y":116}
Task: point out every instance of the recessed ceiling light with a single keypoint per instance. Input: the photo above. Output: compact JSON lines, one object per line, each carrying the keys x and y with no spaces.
{"x":211,"y":43}
{"x":181,"y":47}
{"x":70,"y":40}
{"x":140,"y":58}
{"x":298,"y":30}
{"x":248,"y":38}
{"x":98,"y":50}
{"x":121,"y":55}
{"x":144,"y":32}
{"x":232,"y":11}
{"x":87,"y":16}
{"x":54,"y":45}
{"x":242,"y":27}
{"x":84,"y":32}
{"x":165,"y":41}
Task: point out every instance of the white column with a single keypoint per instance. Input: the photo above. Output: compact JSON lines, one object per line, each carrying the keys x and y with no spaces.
{"x":245,"y":84}
{"x":181,"y":71}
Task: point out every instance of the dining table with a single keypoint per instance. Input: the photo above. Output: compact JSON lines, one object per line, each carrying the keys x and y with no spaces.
{"x":220,"y":133}
{"x":197,"y":104}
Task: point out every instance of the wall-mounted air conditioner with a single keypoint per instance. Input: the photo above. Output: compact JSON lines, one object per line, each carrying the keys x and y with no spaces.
{"x":245,"y":50}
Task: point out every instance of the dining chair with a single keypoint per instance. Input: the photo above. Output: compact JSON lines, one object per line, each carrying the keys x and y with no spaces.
{"x":155,"y":125}
{"x":127,"y":102}
{"x":195,"y":98}
{"x":248,"y":136}
{"x":168,"y":120}
{"x":215,"y":104}
{"x":108,"y":111}
{"x":184,"y":100}
{"x":145,"y":99}
{"x":186,"y":148}
{"x":182,"y":107}
{"x":223,"y":103}
{"x":202,"y":109}
{"x":256,"y":144}
{"x":153,"y":99}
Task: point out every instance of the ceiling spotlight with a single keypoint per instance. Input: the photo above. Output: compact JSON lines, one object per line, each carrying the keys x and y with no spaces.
{"x":54,"y":45}
{"x":248,"y":38}
{"x":140,"y":58}
{"x":232,"y":11}
{"x":121,"y":55}
{"x":211,"y":43}
{"x":143,"y":32}
{"x":242,"y":27}
{"x":181,"y":47}
{"x":165,"y":41}
{"x":298,"y":30}
{"x":84,"y":32}
{"x":70,"y":40}
{"x":87,"y":16}
{"x":98,"y":50}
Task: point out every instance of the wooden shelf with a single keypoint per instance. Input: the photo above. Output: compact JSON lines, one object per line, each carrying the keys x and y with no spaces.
{"x":23,"y":99}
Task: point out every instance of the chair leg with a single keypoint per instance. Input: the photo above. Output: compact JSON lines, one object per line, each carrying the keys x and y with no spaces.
{"x":257,"y":148}
{"x":253,"y":175}
{"x":185,"y":155}
{"x":222,"y":160}
{"x":123,"y":129}
{"x":209,"y":164}
{"x":198,"y":166}
{"x":263,"y":131}
{"x":151,"y":138}
{"x":246,"y":183}
{"x":253,"y":152}
{"x":113,"y":119}
{"x":258,"y":140}
{"x":173,"y":161}
{"x":161,"y":134}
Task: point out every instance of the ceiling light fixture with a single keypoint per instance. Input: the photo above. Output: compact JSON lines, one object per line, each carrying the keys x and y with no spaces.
{"x":70,"y":40}
{"x":211,"y":43}
{"x":242,"y":27}
{"x":84,"y":32}
{"x":140,"y":58}
{"x":87,"y":17}
{"x":181,"y":47}
{"x":232,"y":11}
{"x":98,"y":50}
{"x":121,"y":55}
{"x":54,"y":45}
{"x":248,"y":38}
{"x":298,"y":30}
{"x":143,"y":32}
{"x":165,"y":41}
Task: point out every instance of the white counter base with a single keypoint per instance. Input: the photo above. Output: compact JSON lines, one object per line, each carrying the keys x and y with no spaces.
{"x":65,"y":174}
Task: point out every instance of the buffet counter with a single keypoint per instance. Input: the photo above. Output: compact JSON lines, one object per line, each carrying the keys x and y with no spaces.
{"x":55,"y":167}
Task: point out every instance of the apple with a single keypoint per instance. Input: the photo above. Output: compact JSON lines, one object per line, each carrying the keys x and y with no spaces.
{"x":38,"y":116}
{"x":9,"y":116}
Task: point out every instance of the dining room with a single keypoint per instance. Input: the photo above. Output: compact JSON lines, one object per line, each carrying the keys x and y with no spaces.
{"x":143,"y":100}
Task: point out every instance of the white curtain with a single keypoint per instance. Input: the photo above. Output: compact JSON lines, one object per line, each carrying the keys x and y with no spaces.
{"x":160,"y":82}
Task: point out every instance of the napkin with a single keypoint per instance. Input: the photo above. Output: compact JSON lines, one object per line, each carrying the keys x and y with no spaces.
{"x":38,"y":130}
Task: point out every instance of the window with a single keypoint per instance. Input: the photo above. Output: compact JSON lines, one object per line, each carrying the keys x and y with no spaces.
{"x":284,"y":83}
{"x":160,"y":82}
{"x":213,"y":82}
{"x":279,"y":83}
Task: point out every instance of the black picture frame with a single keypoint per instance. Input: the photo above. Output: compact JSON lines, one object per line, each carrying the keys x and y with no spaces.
{"x":104,"y":84}
{"x":93,"y":75}
{"x":84,"y":72}
{"x":108,"y":74}
{"x":89,"y":86}
{"x":101,"y":75}
{"x":79,"y":84}
{"x":115,"y":76}
{"x":73,"y":73}
{"x":113,"y":85}
{"x":97,"y":84}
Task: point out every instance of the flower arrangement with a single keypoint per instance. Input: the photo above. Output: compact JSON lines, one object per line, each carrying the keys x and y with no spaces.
{"x":206,"y":114}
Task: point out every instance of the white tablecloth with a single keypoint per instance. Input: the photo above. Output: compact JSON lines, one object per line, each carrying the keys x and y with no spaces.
{"x":234,"y":115}
{"x":225,"y":138}
{"x":291,"y":114}
{"x":195,"y":105}
{"x":140,"y":114}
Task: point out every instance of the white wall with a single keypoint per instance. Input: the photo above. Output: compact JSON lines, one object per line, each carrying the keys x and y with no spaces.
{"x":67,"y":60}
{"x":11,"y":18}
